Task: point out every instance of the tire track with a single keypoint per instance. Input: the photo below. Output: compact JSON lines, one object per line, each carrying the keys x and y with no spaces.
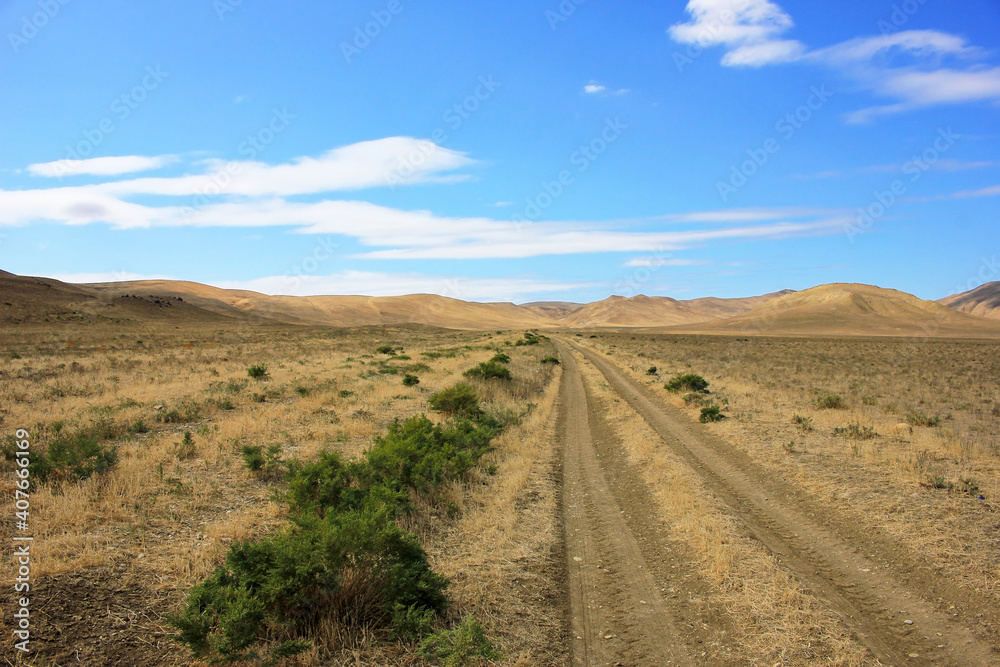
{"x":616,"y":608}
{"x":898,"y":624}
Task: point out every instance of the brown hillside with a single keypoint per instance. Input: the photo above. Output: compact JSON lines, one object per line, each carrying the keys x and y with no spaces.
{"x":425,"y":309}
{"x":854,"y":310}
{"x":637,"y":311}
{"x":983,"y":301}
{"x":28,"y":300}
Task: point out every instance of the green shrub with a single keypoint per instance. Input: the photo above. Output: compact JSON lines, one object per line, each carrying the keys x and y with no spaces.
{"x":651,"y":370}
{"x":856,"y":432}
{"x":550,"y":360}
{"x":711,"y":413}
{"x":258,"y":372}
{"x":830,"y":401}
{"x":529,"y":339}
{"x":411,"y":623}
{"x":459,"y":399}
{"x":805,"y":423}
{"x":302,"y":391}
{"x":500,"y":358}
{"x":920,"y":419}
{"x":410,"y":380}
{"x":385,"y":349}
{"x":266,"y":463}
{"x":466,"y":644}
{"x":346,"y":393}
{"x":421,"y":455}
{"x":489,"y":370}
{"x":186,"y":448}
{"x":687,"y":382}
{"x":139,"y":427}
{"x":186,"y":413}
{"x":357,"y":567}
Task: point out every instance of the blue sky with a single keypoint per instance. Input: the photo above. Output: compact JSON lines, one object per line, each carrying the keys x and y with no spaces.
{"x":503,"y":151}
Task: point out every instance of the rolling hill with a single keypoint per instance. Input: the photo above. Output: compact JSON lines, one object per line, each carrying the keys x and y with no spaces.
{"x":853,"y":310}
{"x":836,"y":309}
{"x":983,"y":301}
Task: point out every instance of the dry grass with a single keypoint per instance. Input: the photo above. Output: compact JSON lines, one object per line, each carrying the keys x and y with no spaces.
{"x":168,"y":515}
{"x":773,"y":619}
{"x":864,"y":459}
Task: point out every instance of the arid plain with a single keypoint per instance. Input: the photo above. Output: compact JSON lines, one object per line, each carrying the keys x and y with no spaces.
{"x":828,"y":498}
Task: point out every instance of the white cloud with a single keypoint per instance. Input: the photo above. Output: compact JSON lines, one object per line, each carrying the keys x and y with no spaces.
{"x":749,"y":29}
{"x":372,"y":283}
{"x":594,"y":88}
{"x":101,"y":166}
{"x":905,"y":66}
{"x":992,"y":191}
{"x":661,"y":261}
{"x":379,"y":163}
{"x":259,"y":200}
{"x":106,"y":277}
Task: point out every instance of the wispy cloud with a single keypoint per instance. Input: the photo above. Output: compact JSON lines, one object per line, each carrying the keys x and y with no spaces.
{"x":262,"y":195}
{"x":372,"y":283}
{"x":749,"y":29}
{"x":665,"y":261}
{"x":594,"y":88}
{"x":907,"y":66}
{"x":101,"y":166}
{"x":942,"y":164}
{"x":992,"y":191}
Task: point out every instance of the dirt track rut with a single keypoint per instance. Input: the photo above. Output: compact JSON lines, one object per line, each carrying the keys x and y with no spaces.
{"x":617,"y":612}
{"x":898,"y":620}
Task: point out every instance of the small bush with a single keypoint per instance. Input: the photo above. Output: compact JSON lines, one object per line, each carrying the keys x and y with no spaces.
{"x":302,"y":391}
{"x":500,"y":358}
{"x":346,"y":393}
{"x":489,"y":370}
{"x":258,"y":372}
{"x":410,"y":380}
{"x":651,"y":370}
{"x":529,"y":339}
{"x":73,"y":458}
{"x":385,"y":349}
{"x":830,"y":402}
{"x":550,"y":360}
{"x":968,"y":485}
{"x":711,"y":413}
{"x":266,"y":463}
{"x":920,"y":419}
{"x":687,"y":382}
{"x":466,"y":644}
{"x":352,"y":566}
{"x":186,"y":448}
{"x":697,"y":399}
{"x":459,"y":399}
{"x":805,"y":423}
{"x":139,"y":427}
{"x":856,"y":432}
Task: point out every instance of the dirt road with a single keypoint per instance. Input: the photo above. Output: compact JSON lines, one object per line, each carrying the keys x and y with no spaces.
{"x":619,"y":612}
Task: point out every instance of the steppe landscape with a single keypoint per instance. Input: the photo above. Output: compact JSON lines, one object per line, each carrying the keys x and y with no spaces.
{"x":572,"y":333}
{"x":800,"y":478}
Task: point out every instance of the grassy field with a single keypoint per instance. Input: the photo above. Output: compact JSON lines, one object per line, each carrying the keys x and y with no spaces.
{"x":179,"y":409}
{"x":900,"y":434}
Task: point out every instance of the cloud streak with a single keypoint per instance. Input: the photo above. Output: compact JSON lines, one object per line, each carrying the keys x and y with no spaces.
{"x":262,"y":195}
{"x":101,"y":166}
{"x":905,"y":66}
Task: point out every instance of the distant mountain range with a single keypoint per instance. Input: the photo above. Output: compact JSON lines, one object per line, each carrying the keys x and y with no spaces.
{"x":836,"y":309}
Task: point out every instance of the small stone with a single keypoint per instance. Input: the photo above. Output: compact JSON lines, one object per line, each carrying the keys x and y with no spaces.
{"x":577,"y":559}
{"x":914,"y":655}
{"x":908,"y":622}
